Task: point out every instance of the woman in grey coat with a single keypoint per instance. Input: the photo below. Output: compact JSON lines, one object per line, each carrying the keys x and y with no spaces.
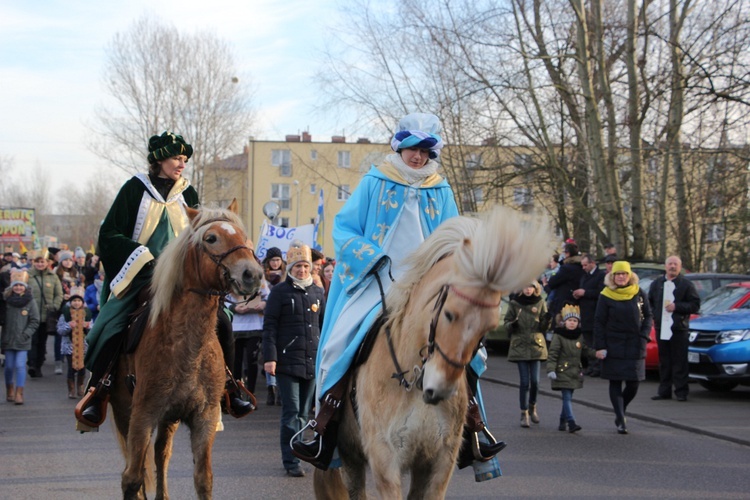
{"x":21,"y":321}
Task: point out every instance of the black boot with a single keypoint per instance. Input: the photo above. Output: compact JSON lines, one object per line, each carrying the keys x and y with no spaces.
{"x":232,"y":400}
{"x":472,"y":449}
{"x":319,"y":450}
{"x":573,"y":426}
{"x":271,"y":400}
{"x":561,"y":427}
{"x":92,"y":413}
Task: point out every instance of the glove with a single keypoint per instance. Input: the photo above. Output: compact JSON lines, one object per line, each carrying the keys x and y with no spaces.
{"x":552,"y":376}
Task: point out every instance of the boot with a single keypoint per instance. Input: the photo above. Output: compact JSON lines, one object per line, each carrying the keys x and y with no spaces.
{"x":19,"y":396}
{"x":533,"y":414}
{"x":11,"y":393}
{"x":71,"y":389}
{"x":92,"y":409}
{"x":319,"y":450}
{"x":81,"y":380}
{"x":472,"y":449}
{"x":58,"y":367}
{"x":561,"y":427}
{"x":232,"y":401}
{"x":573,"y":426}
{"x":525,"y":419}
{"x":271,"y":399}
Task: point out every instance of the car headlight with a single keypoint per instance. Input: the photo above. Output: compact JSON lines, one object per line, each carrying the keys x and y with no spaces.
{"x":732,"y":336}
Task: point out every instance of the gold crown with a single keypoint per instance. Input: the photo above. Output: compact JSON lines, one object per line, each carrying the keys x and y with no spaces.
{"x":571,"y":311}
{"x":19,"y":276}
{"x":298,"y":254}
{"x":77,"y":291}
{"x":40,"y":254}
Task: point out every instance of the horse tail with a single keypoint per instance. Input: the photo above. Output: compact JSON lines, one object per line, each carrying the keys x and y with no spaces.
{"x":329,"y":485}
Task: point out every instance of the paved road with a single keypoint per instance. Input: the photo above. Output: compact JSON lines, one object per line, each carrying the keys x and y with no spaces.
{"x":670,"y":452}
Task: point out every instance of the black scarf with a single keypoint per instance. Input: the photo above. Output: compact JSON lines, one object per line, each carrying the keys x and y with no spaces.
{"x":19,"y":301}
{"x":162,"y":185}
{"x":568,"y":334}
{"x":527,"y":300}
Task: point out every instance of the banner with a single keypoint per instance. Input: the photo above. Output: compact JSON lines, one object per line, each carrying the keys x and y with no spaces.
{"x":281,"y":237}
{"x":18,"y":226}
{"x":318,"y":235}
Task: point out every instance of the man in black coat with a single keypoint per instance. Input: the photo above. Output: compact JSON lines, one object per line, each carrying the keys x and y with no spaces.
{"x":587,"y":295}
{"x":673,"y":299}
{"x":567,"y":279}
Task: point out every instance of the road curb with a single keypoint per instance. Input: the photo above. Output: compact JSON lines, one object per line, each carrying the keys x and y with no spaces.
{"x":637,"y":416}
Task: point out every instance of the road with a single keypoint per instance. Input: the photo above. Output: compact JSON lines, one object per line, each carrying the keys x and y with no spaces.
{"x":699,"y":449}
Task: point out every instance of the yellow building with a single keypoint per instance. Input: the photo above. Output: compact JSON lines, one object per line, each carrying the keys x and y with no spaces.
{"x":292,"y":173}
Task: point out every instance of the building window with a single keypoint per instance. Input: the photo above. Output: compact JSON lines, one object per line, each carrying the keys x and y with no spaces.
{"x":522,"y":196}
{"x":478,"y":194}
{"x":313,"y":154}
{"x":282,"y":158}
{"x":283,"y":221}
{"x":280,"y":194}
{"x":223,"y":183}
{"x":313,"y":188}
{"x":344,"y":159}
{"x":715,"y":233}
{"x":473,"y":160}
{"x":522,"y":161}
{"x":343,"y":192}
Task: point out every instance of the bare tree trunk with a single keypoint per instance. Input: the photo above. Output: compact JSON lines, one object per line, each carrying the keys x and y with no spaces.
{"x":605,"y":179}
{"x":674,"y":130}
{"x":634,"y":128}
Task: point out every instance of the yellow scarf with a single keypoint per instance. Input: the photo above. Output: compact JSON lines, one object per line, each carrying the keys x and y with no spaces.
{"x":621,"y":293}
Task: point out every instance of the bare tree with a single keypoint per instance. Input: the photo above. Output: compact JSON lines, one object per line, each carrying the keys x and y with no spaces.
{"x":160,"y":79}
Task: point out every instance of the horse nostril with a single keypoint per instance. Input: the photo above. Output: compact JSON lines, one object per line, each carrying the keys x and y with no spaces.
{"x":429,"y":397}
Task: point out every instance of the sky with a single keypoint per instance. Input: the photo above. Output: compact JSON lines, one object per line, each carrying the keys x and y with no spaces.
{"x":52,"y":55}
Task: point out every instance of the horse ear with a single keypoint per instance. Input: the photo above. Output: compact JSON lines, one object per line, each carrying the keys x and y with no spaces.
{"x":191,"y":213}
{"x":234,"y":206}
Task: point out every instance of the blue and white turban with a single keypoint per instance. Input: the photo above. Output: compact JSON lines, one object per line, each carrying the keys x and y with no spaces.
{"x":419,"y":130}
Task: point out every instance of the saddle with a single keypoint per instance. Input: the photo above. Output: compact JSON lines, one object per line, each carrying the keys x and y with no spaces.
{"x":365,"y":349}
{"x":137,"y":323}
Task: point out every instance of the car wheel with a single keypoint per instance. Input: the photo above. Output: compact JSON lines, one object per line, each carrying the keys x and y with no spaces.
{"x":718,"y":385}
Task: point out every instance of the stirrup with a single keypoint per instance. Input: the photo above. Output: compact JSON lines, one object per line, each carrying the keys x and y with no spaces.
{"x":309,"y":425}
{"x":475,"y":449}
{"x":83,"y":424}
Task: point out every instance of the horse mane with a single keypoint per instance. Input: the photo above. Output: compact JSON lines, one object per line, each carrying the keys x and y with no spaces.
{"x":502,"y":250}
{"x":168,"y":280}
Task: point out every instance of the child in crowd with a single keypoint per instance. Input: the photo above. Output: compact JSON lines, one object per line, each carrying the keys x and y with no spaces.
{"x":564,"y":366}
{"x":21,"y":321}
{"x":72,"y":331}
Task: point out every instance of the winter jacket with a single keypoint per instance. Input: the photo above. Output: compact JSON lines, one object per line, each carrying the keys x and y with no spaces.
{"x":567,"y":279}
{"x":623,"y":328}
{"x":291,"y":328}
{"x":592,"y":284}
{"x":49,"y":301}
{"x":525,"y":321}
{"x":64,"y":330}
{"x":21,"y":321}
{"x":686,"y":302}
{"x":564,"y":359}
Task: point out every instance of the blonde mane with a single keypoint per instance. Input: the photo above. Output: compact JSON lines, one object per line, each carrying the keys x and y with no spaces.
{"x":170,"y":269}
{"x":501,"y":250}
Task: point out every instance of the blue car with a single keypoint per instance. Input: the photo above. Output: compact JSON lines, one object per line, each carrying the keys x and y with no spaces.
{"x":719,"y":351}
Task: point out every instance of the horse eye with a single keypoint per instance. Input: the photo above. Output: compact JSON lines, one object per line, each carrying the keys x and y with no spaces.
{"x":211,"y":238}
{"x":449,"y":316}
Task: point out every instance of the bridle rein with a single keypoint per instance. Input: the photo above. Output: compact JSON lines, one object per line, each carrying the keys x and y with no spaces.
{"x":432,"y":345}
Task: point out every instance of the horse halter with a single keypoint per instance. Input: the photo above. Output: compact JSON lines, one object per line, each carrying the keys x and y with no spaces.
{"x":432,"y":344}
{"x":218,"y":260}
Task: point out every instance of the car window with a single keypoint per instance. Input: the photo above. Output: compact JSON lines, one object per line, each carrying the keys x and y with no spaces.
{"x":703,"y":286}
{"x":722,"y":299}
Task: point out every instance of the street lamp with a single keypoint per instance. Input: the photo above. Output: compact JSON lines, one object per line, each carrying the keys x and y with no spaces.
{"x":296,"y":202}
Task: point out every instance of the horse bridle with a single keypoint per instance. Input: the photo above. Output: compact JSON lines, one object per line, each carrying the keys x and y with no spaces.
{"x":432,"y":345}
{"x":218,"y":260}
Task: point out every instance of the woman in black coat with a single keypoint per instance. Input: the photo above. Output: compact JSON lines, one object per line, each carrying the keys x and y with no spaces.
{"x":291,"y":332}
{"x":621,"y":331}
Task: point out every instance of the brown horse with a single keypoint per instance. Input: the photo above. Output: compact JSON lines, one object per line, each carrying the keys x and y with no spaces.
{"x":178,"y":365}
{"x":436,"y":317}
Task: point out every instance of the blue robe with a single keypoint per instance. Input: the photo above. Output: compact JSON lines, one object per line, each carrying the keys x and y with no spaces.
{"x":383,"y":213}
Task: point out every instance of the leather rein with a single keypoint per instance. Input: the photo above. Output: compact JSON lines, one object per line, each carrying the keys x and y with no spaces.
{"x":432,"y":345}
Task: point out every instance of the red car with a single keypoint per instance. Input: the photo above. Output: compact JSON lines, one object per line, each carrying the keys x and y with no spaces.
{"x":727,"y":294}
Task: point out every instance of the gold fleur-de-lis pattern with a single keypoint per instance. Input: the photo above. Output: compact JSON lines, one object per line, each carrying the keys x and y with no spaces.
{"x":431,"y":209}
{"x":366,"y":248}
{"x":389,"y":201}
{"x":345,"y":272}
{"x":382,"y":229}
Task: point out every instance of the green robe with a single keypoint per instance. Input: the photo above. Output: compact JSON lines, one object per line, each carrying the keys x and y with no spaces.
{"x":138,"y":226}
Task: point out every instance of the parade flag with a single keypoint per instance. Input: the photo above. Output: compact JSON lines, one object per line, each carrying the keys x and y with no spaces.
{"x":318,"y":237}
{"x":22,"y":247}
{"x":92,"y":248}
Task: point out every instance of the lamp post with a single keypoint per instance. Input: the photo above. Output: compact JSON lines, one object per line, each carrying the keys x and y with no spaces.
{"x":296,"y":202}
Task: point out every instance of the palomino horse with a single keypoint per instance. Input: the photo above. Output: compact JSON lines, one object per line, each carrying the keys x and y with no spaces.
{"x":437,"y":315}
{"x":178,"y":363}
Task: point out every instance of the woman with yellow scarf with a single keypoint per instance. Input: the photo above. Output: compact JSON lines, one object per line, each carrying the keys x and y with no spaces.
{"x":621,"y":331}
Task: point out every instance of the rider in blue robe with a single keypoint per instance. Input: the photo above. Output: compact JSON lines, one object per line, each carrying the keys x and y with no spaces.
{"x":396,"y":206}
